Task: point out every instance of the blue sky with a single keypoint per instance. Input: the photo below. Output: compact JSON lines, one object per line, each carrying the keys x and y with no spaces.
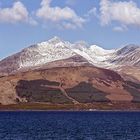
{"x":107,"y":23}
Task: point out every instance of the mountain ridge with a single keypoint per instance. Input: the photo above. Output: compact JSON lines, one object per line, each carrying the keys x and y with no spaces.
{"x":59,"y":72}
{"x":57,"y":49}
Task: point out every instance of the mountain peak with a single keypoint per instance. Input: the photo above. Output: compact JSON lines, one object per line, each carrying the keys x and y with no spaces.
{"x":57,"y":49}
{"x":95,"y":47}
{"x":55,"y":40}
{"x":127,"y":49}
{"x":100,"y":51}
{"x":81,"y":45}
{"x":130,"y":46}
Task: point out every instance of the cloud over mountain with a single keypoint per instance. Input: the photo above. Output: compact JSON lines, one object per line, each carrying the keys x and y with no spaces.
{"x":66,"y":16}
{"x":17,"y":13}
{"x":124,"y":12}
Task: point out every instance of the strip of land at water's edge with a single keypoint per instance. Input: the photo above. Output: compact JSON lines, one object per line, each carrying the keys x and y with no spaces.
{"x":97,"y":106}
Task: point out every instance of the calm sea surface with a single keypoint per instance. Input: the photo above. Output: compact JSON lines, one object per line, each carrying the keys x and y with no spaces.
{"x":69,"y":125}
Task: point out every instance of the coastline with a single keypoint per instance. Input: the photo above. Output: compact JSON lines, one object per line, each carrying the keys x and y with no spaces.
{"x":94,"y":107}
{"x":70,"y":111}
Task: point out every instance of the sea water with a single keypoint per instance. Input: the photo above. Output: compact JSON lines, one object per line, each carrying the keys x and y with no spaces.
{"x":59,"y":125}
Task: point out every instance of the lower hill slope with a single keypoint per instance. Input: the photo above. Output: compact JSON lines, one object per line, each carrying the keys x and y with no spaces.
{"x":67,"y":85}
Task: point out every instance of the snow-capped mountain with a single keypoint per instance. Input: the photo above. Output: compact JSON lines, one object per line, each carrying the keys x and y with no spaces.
{"x":45,"y":52}
{"x":37,"y":54}
{"x":128,"y":56}
{"x":58,"y":71}
{"x":96,"y":55}
{"x":56,"y":49}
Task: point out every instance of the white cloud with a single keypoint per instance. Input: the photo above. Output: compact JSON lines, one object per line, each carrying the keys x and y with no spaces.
{"x":16,"y":13}
{"x":124,"y":12}
{"x":59,"y":15}
{"x":120,"y":28}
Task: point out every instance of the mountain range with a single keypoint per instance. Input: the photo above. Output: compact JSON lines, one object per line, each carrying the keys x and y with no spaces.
{"x":60,"y":72}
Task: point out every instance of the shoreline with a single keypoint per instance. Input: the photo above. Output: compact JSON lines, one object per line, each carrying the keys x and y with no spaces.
{"x":83,"y":107}
{"x":69,"y":111}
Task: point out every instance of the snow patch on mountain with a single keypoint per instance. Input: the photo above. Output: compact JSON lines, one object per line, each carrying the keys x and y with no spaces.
{"x":100,"y":51}
{"x":45,"y":52}
{"x":94,"y":54}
